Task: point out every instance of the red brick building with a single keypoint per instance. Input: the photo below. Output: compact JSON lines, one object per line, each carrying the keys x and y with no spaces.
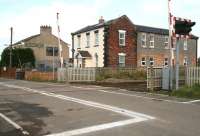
{"x":116,"y":44}
{"x":120,"y":43}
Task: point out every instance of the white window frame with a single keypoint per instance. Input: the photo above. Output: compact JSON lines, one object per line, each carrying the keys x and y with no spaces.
{"x":166,"y":61}
{"x":151,"y":61}
{"x":185,"y":45}
{"x":185,"y":61}
{"x":122,"y":38}
{"x":144,"y":39}
{"x":151,"y":41}
{"x":143,"y":61}
{"x":87,"y":40}
{"x":166,"y":42}
{"x":122,"y":62}
{"x":96,"y":35}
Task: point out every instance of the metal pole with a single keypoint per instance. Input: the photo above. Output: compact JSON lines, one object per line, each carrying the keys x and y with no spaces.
{"x":178,"y":43}
{"x":53,"y":62}
{"x":11,"y":39}
{"x":170,"y":47}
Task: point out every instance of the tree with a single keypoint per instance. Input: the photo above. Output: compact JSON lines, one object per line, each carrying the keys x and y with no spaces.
{"x":21,"y":57}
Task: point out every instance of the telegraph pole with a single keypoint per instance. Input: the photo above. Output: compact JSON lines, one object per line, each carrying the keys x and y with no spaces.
{"x":11,"y":40}
{"x":170,"y":46}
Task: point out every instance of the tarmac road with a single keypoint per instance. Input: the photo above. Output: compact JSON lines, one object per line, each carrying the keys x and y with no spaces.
{"x":52,"y":109}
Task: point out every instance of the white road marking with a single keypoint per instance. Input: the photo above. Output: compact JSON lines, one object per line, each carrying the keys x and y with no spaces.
{"x":79,"y":87}
{"x":134,"y":95}
{"x":50,"y":84}
{"x":15,"y":125}
{"x":135,"y":116}
{"x":84,"y":102}
{"x":189,"y":102}
{"x":99,"y":127}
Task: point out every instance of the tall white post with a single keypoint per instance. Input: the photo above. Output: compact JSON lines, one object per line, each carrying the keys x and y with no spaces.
{"x":170,"y":46}
{"x":60,"y":47}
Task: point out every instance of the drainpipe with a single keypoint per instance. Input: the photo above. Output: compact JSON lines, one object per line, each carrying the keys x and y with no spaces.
{"x":72,"y":49}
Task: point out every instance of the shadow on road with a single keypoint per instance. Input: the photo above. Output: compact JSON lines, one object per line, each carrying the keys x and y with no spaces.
{"x":28,"y":116}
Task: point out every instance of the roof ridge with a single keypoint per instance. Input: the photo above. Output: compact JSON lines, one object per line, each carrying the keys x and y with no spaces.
{"x":98,"y":25}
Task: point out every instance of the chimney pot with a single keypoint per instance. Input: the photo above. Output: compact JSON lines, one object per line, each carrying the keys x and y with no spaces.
{"x":44,"y":29}
{"x":101,"y":20}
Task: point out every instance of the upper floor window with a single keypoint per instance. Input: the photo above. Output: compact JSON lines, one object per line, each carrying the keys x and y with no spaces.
{"x":166,"y":42}
{"x":122,"y":58}
{"x":87,"y":40}
{"x":185,"y":45}
{"x":79,"y":41}
{"x":185,"y":61}
{"x":96,"y":33}
{"x":122,"y":38}
{"x":143,"y":40}
{"x":143,"y":61}
{"x":151,"y":61}
{"x":166,"y":61}
{"x":151,"y":41}
{"x":51,"y":51}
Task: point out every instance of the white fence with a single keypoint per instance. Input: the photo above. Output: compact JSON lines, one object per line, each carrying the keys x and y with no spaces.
{"x":81,"y":74}
{"x":154,"y":77}
{"x":193,"y":76}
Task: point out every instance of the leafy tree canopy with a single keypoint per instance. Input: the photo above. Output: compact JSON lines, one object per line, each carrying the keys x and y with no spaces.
{"x":21,"y":57}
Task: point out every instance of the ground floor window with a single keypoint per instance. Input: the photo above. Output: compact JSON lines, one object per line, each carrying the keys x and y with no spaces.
{"x":166,"y":61}
{"x":143,"y":61}
{"x":96,"y":59}
{"x":151,"y":61}
{"x":185,"y":61}
{"x":122,"y":58}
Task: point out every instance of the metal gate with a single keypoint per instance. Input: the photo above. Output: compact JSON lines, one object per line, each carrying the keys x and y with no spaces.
{"x":81,"y":74}
{"x":154,"y":77}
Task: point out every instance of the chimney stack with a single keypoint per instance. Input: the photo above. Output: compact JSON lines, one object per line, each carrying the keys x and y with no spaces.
{"x":44,"y":29}
{"x":101,"y":20}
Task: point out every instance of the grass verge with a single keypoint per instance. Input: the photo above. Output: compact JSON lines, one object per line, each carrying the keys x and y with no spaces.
{"x":188,"y":92}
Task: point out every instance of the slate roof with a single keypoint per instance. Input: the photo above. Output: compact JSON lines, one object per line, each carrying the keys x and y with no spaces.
{"x":139,"y":28}
{"x":34,"y":36}
{"x":96,"y":26}
{"x":154,"y":30}
{"x":27,"y":39}
{"x":89,"y":28}
{"x":85,"y":54}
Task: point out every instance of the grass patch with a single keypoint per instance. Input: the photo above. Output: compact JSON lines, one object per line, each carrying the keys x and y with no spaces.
{"x":188,"y":92}
{"x":118,"y":74}
{"x":39,"y":80}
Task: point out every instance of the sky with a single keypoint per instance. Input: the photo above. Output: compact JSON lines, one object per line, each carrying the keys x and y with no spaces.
{"x":26,"y":16}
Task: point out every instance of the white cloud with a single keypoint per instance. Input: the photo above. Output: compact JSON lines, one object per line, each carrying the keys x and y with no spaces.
{"x":72,"y":17}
